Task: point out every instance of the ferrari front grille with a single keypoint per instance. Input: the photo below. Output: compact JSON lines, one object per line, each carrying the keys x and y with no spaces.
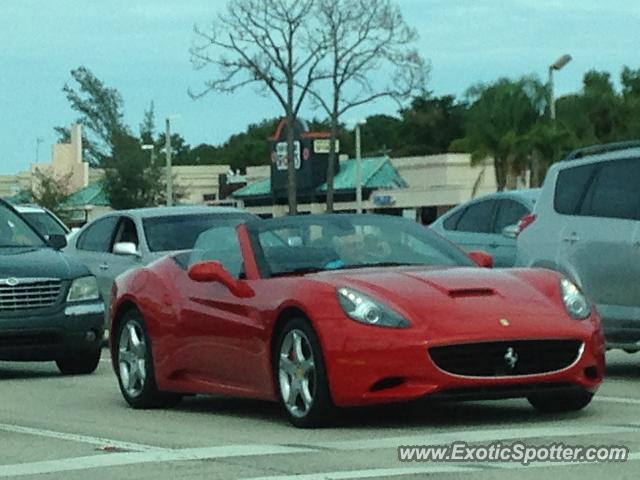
{"x":506,"y":358}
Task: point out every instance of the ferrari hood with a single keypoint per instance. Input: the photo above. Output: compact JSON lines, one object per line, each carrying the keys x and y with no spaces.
{"x":465,"y":300}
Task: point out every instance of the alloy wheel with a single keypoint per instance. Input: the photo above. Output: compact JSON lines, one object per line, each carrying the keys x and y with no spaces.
{"x":297,"y":373}
{"x":132,"y":358}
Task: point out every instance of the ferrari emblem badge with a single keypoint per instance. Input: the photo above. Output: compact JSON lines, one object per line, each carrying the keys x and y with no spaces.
{"x":504,"y":322}
{"x":511,"y":358}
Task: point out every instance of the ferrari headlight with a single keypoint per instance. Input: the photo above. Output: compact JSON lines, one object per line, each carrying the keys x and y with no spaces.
{"x":574,"y":301}
{"x":364,"y":309}
{"x":83,"y":289}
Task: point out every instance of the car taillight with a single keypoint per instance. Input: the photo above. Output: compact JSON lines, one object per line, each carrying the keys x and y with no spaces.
{"x":525,"y":222}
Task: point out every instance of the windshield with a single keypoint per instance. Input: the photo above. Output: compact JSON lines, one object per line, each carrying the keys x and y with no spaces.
{"x":44,"y":223}
{"x":329,"y":242}
{"x":180,"y":232}
{"x":15,"y":232}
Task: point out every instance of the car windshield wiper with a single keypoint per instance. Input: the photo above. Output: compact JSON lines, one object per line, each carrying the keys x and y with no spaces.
{"x":298,"y":271}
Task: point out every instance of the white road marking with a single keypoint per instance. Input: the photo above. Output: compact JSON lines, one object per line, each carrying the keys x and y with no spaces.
{"x":631,"y":401}
{"x":149,"y":454}
{"x":131,"y":458}
{"x":72,"y":437}
{"x":433,"y":468}
{"x":475,"y":436}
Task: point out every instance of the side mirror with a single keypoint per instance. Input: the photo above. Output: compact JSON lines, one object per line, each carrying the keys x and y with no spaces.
{"x":215,"y":272}
{"x":483,"y":259}
{"x":57,"y":241}
{"x":510,"y":231}
{"x":126,"y":248}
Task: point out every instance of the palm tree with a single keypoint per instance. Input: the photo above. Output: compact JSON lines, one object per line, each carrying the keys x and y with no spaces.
{"x":498,"y":122}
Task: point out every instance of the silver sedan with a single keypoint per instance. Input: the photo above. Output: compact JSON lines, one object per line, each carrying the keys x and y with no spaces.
{"x":119,"y":241}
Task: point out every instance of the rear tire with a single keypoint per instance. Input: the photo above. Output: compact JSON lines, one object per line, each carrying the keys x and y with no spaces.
{"x":301,"y":377}
{"x":82,"y":363}
{"x":560,"y":402}
{"x":135,"y":367}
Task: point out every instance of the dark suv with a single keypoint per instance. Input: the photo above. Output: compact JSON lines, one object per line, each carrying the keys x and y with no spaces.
{"x":50,"y":306}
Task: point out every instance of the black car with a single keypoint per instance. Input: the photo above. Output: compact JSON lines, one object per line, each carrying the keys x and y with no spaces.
{"x":50,"y":305}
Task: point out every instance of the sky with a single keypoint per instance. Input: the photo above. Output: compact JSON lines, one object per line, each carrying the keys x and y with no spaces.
{"x":140,"y":47}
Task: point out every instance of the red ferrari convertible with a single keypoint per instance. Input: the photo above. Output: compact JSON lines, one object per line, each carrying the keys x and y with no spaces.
{"x":324,"y":311}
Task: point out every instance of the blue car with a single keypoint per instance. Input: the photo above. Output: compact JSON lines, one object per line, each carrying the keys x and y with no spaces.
{"x":489,"y":223}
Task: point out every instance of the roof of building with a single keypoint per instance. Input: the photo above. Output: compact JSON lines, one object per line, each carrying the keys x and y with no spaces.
{"x":22,"y":196}
{"x":92,"y":194}
{"x":377,"y":172}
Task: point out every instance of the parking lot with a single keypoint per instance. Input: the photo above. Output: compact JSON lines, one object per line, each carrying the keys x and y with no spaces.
{"x":79,"y":427}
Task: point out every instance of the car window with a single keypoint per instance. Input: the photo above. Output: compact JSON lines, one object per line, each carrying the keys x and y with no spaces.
{"x":126,"y":232}
{"x":571,"y":188}
{"x":477,"y":218}
{"x":97,"y":237}
{"x":452,"y":222}
{"x":180,"y":232}
{"x":44,"y":223}
{"x":219,"y":244}
{"x":15,"y":232}
{"x":509,"y":213}
{"x":615,"y":191}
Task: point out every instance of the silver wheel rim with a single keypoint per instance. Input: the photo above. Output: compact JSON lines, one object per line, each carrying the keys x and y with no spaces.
{"x":132,"y":354}
{"x":297,"y":373}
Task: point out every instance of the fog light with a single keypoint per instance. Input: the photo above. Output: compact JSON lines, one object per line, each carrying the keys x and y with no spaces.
{"x":91,"y":336}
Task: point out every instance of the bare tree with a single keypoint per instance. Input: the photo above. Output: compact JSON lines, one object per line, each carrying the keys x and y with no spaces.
{"x":368,"y":46}
{"x":267,"y":43}
{"x":49,"y":191}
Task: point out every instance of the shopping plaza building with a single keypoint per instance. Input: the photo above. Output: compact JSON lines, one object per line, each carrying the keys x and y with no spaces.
{"x":420,"y":187}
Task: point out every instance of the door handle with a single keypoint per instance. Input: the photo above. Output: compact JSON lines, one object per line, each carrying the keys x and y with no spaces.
{"x":104,"y":266}
{"x":572,"y":238}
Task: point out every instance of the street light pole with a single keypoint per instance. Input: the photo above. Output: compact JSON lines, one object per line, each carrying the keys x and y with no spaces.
{"x":358,"y":171}
{"x":150,"y":146}
{"x":38,"y":142}
{"x":552,"y":101}
{"x":557,"y":65}
{"x":169,"y":173}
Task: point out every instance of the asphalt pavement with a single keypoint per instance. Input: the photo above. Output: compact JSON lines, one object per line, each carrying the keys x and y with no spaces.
{"x":58,"y":427}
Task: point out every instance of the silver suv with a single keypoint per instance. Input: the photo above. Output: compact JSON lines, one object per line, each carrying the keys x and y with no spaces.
{"x":586,"y":225}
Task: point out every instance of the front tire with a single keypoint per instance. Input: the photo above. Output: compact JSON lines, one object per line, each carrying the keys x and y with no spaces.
{"x":560,"y":402}
{"x":82,"y":363}
{"x":301,"y":376}
{"x":135,"y":371}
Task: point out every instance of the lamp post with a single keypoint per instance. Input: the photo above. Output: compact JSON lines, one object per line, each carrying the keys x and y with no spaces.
{"x":38,"y":142}
{"x":167,"y":151}
{"x":150,"y":146}
{"x":559,"y":64}
{"x":358,"y":168}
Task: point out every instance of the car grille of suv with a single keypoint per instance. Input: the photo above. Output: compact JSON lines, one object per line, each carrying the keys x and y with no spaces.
{"x":506,"y":358}
{"x":28,"y":293}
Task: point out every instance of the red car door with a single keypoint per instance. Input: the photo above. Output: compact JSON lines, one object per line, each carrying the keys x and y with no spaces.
{"x":223,"y":336}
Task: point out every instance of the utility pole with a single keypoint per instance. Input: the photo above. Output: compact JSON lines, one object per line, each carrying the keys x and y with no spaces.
{"x":169,"y":174}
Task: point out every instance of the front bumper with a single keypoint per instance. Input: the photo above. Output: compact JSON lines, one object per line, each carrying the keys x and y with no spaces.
{"x":373,"y":367}
{"x":51,"y":334}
